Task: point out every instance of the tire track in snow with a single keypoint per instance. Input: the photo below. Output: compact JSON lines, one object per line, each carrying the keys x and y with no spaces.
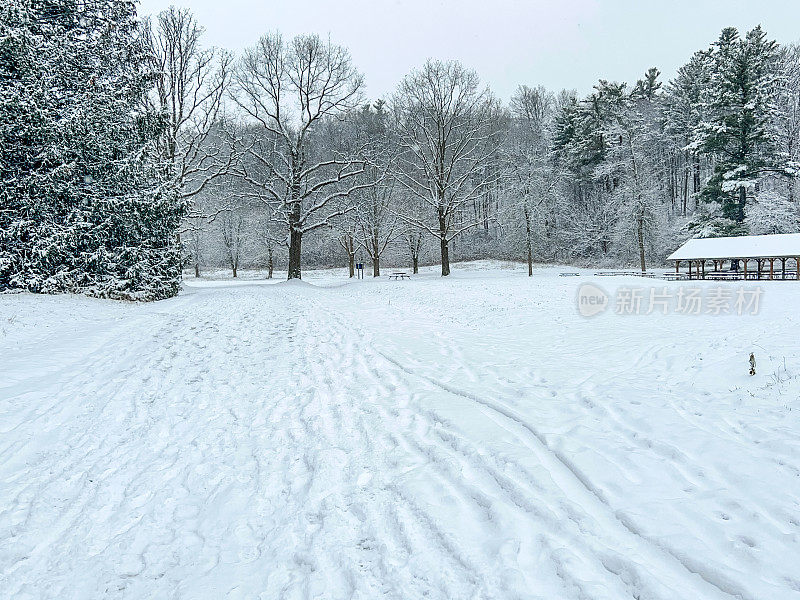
{"x":708,"y":480}
{"x":408,"y":524}
{"x":573,"y":482}
{"x":508,"y":490}
{"x":569,"y":478}
{"x":703,"y":477}
{"x":527,"y":497}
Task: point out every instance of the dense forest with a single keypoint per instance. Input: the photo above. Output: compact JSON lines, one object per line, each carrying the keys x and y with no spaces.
{"x":129,"y":149}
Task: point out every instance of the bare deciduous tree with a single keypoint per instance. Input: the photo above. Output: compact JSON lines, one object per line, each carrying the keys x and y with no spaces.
{"x":377,"y":224}
{"x":346,"y":237}
{"x":190,"y":92}
{"x":413,"y":239}
{"x":448,"y":130}
{"x":375,"y":220}
{"x":234,"y":234}
{"x":269,"y":238}
{"x":532,"y":175}
{"x":290,"y":89}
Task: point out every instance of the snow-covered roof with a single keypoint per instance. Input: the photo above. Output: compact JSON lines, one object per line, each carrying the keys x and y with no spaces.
{"x":745,"y":246}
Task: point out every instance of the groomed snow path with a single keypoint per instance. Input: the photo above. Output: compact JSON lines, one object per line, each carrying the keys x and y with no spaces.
{"x":442,"y":439}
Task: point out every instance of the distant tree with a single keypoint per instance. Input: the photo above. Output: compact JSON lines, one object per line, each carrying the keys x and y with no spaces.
{"x":290,"y":89}
{"x":194,"y":240}
{"x":414,"y":240}
{"x":581,"y":145}
{"x":531,"y":170}
{"x":634,"y":131}
{"x":234,"y":234}
{"x":189,"y":90}
{"x":346,"y":232}
{"x":684,"y":108}
{"x":377,"y":225}
{"x":376,"y":221}
{"x":448,"y":128}
{"x":270,"y":242}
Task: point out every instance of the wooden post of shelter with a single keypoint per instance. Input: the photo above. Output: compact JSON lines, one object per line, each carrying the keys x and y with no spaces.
{"x":783,"y":268}
{"x":744,"y":260}
{"x":772,"y":268}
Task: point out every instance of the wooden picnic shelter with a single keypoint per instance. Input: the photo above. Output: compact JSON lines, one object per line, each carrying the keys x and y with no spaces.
{"x":771,"y":257}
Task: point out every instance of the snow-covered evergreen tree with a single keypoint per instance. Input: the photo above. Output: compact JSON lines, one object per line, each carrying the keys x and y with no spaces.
{"x":739,"y":127}
{"x":87,"y":206}
{"x":582,"y":144}
{"x":683,"y":110}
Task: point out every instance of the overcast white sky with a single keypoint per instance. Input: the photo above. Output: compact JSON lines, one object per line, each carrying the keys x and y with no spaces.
{"x":556,"y":43}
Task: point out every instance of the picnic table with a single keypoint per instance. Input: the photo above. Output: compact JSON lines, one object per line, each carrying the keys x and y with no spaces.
{"x":674,"y":276}
{"x":396,"y":275}
{"x":625,"y":273}
{"x":569,"y":274}
{"x":725,"y":275}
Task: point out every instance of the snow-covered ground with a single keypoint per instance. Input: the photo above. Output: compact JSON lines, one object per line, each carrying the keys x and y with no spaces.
{"x":468,"y":437}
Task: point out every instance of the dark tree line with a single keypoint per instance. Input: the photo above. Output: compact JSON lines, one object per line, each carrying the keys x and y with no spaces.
{"x":129,"y":150}
{"x":623,"y":175}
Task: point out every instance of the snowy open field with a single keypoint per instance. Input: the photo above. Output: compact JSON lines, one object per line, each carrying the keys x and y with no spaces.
{"x":469,"y":437}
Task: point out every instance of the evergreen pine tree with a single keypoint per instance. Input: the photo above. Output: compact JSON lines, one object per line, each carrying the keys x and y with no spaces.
{"x":738,"y":131}
{"x":683,"y":110}
{"x":87,"y":203}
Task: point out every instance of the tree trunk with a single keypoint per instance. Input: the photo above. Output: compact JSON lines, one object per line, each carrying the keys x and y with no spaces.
{"x":445,"y":257}
{"x":485,"y":215}
{"x":640,"y":236}
{"x":415,"y":264}
{"x":270,"y":264}
{"x":530,"y":259}
{"x":741,"y":205}
{"x":685,"y":192}
{"x":234,"y":270}
{"x":528,"y":241}
{"x":376,"y":258}
{"x":348,"y":243}
{"x":295,"y":241}
{"x":444,"y":247}
{"x":295,"y":229}
{"x":196,"y":270}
